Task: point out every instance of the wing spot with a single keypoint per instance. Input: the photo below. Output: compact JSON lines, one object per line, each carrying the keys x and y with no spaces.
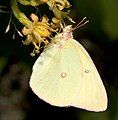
{"x":63,"y":75}
{"x":87,"y":71}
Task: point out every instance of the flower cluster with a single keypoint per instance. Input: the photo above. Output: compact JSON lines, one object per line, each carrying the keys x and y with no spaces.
{"x":38,"y":31}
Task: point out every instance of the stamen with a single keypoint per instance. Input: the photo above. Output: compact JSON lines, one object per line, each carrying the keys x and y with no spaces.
{"x":8,"y":27}
{"x":37,"y":51}
{"x":35,"y":45}
{"x":33,"y":53}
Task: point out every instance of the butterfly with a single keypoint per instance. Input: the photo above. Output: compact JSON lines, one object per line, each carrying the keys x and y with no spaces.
{"x":65,"y":75}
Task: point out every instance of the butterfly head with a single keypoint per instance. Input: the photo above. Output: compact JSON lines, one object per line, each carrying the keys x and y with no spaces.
{"x":68,"y":29}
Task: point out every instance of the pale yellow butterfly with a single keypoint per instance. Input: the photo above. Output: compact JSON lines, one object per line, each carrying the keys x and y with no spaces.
{"x":65,"y":75}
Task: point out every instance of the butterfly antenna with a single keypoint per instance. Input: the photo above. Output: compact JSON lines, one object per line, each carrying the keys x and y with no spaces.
{"x":81,"y":23}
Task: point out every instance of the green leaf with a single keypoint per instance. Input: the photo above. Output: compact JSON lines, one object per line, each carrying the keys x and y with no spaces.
{"x":3,"y":62}
{"x":109,"y":10}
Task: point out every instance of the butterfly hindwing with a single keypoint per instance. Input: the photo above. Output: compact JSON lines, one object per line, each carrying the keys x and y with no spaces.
{"x":92,"y":95}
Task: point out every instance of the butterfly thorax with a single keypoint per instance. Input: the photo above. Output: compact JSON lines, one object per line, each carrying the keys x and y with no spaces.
{"x":65,"y":35}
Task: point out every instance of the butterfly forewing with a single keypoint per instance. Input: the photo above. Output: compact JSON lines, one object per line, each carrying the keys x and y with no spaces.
{"x":53,"y":76}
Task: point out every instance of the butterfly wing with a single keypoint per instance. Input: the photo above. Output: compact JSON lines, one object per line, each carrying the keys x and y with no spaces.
{"x":92,"y":95}
{"x":67,"y":76}
{"x":53,"y":76}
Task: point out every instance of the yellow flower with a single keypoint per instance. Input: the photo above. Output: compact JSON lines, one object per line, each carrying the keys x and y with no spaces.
{"x":60,"y":4}
{"x":37,"y":32}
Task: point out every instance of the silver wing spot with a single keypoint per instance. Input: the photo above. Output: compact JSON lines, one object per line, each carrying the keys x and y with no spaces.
{"x":87,"y":71}
{"x":63,"y":75}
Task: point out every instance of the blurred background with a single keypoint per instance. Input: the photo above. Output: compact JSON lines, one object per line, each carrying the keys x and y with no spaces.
{"x":100,"y":39}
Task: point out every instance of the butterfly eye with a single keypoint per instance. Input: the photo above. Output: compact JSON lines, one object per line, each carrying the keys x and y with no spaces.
{"x":87,"y":71}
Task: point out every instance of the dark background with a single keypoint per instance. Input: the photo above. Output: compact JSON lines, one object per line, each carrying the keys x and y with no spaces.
{"x":99,"y":37}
